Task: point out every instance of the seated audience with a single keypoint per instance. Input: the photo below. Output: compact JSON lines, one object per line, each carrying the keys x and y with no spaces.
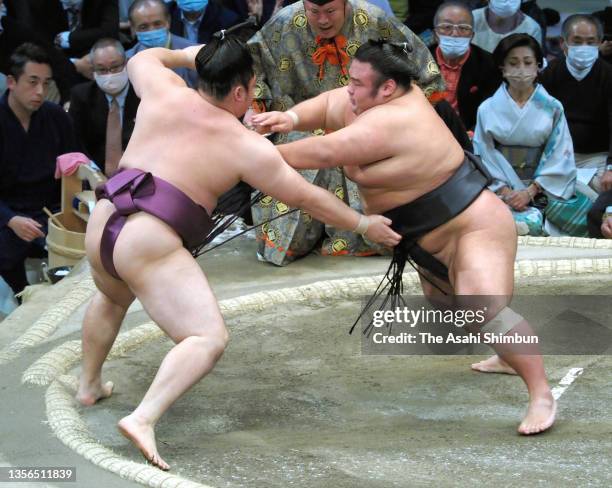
{"x":421,"y":13}
{"x":104,"y":110}
{"x":523,"y":139}
{"x":75,"y":25}
{"x":150,"y":24}
{"x":583,"y":84}
{"x":14,"y":33}
{"x":32,"y":134}
{"x":198,"y":20}
{"x":469,"y":71}
{"x":500,"y":19}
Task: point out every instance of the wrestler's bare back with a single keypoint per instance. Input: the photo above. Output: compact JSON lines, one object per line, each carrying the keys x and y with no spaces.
{"x":199,"y":148}
{"x":185,"y":141}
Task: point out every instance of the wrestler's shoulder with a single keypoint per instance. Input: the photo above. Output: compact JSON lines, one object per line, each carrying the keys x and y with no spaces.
{"x":176,"y":98}
{"x":251,"y":143}
{"x":388,"y":113}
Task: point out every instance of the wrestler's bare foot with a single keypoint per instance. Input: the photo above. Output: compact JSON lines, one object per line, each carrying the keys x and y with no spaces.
{"x":143,"y":437}
{"x":494,"y":364}
{"x":89,"y":394}
{"x":540,"y":415}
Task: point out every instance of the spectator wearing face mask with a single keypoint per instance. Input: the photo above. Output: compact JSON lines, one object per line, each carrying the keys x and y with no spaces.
{"x":104,"y":110}
{"x":469,"y":71}
{"x":523,"y":139}
{"x":198,"y":20}
{"x":150,"y":24}
{"x":583,"y":84}
{"x":500,"y":19}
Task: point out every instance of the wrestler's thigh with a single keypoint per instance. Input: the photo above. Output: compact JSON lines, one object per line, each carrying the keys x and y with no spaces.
{"x":175,"y":293}
{"x":116,"y":290}
{"x":484,"y":263}
{"x":97,"y":220}
{"x":433,"y":287}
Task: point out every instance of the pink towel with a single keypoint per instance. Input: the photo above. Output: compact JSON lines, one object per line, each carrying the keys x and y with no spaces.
{"x":67,"y":164}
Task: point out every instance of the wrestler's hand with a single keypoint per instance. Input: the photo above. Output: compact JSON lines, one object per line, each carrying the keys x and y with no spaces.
{"x":518,"y":200}
{"x":379,"y":231}
{"x":606,"y":228}
{"x":247,"y":119}
{"x":606,"y":181}
{"x":26,"y":228}
{"x":272,"y":122}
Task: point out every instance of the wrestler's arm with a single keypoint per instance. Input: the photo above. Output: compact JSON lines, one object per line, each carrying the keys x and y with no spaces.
{"x":325,"y":111}
{"x":150,"y":71}
{"x":362,"y":142}
{"x":266,"y":171}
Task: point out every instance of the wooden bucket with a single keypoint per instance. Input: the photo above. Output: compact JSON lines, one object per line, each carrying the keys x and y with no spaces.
{"x":66,"y":247}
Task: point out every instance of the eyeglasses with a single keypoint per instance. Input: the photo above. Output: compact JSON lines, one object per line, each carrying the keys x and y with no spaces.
{"x":447,"y":29}
{"x":112,"y":70}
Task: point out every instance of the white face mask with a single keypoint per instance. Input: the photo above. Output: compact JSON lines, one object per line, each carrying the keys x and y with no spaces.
{"x":582,"y":57}
{"x":504,"y":8}
{"x":454,"y":47}
{"x":520,"y":77}
{"x":112,"y":83}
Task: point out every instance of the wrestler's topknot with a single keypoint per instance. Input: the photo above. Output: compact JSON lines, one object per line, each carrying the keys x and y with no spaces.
{"x":391,"y":60}
{"x":224,"y":62}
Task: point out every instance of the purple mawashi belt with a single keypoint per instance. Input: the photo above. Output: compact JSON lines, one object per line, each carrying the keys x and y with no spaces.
{"x":133,"y":190}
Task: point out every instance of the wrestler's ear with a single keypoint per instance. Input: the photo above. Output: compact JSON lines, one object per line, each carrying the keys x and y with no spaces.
{"x":387,"y":88}
{"x":238,"y":93}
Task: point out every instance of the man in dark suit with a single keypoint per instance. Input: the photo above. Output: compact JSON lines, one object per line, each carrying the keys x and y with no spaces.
{"x":469,"y":71}
{"x":198,"y":20}
{"x":75,"y":25}
{"x":33,"y":133}
{"x":104,"y":110}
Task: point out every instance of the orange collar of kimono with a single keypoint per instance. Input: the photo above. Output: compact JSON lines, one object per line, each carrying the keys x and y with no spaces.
{"x":332,"y":51}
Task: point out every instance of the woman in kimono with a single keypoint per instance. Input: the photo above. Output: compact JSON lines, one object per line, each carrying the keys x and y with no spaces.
{"x":523,"y":138}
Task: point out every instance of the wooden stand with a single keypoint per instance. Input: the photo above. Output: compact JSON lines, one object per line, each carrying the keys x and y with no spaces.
{"x":67,"y":246}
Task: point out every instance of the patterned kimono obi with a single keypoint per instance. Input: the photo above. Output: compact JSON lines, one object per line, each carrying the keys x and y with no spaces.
{"x":524,"y":159}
